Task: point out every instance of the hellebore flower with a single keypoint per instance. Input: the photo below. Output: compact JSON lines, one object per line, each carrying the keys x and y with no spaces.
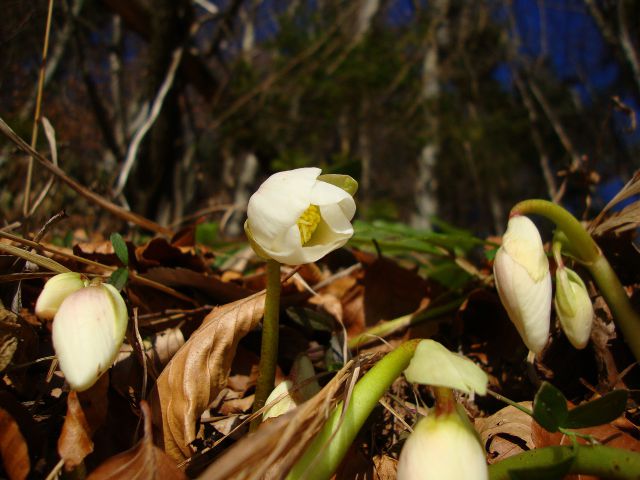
{"x":521,"y":272}
{"x":88,"y":330}
{"x":55,"y":291}
{"x":573,"y":307}
{"x":443,"y":447}
{"x":298,"y":216}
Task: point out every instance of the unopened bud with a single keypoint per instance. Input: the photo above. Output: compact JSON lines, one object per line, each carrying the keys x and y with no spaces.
{"x":573,"y":307}
{"x":87,"y":333}
{"x":443,"y":447}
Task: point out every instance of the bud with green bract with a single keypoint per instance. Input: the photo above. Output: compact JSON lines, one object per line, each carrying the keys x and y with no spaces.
{"x":573,"y":307}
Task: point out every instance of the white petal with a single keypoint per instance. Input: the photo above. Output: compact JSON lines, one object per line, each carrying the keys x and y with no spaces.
{"x":279,"y":202}
{"x":55,"y":291}
{"x":527,"y":302}
{"x":335,"y":218}
{"x":523,"y":243}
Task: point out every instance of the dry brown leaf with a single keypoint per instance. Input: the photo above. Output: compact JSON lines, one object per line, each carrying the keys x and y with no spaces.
{"x":74,"y":443}
{"x":198,"y":372}
{"x":145,"y":460}
{"x":631,"y":188}
{"x":13,"y":448}
{"x":626,"y":219}
{"x":385,"y":467}
{"x":505,"y":433}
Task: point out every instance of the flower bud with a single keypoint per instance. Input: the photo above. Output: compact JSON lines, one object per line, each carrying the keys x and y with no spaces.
{"x":523,"y":281}
{"x":55,"y":291}
{"x":573,"y":307}
{"x":296,"y":217}
{"x":87,"y":333}
{"x":289,"y":394}
{"x":444,"y":447}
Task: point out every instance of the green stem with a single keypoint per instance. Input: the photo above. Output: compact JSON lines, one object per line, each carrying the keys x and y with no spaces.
{"x":582,"y":245}
{"x":390,"y":326}
{"x":588,"y":253}
{"x":595,"y":460}
{"x":269,"y":348}
{"x":614,"y":294}
{"x":324,"y":454}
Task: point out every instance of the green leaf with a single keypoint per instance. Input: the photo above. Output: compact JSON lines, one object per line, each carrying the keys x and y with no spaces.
{"x":599,"y":411}
{"x":119,"y":278}
{"x":207,"y":233}
{"x":550,"y":407}
{"x":120,"y":247}
{"x":311,"y":320}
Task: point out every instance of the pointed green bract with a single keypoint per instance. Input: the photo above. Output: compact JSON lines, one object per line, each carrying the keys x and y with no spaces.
{"x":434,"y":365}
{"x":345,"y":182}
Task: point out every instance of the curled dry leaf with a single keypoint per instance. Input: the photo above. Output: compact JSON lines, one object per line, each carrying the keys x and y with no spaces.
{"x":74,"y":443}
{"x":145,"y":460}
{"x":198,"y":372}
{"x":13,"y":448}
{"x":506,"y":432}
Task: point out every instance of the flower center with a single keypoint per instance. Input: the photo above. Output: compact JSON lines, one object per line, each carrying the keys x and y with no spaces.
{"x":308,"y":222}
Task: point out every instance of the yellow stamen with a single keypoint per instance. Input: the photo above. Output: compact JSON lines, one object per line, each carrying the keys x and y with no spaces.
{"x":308,"y":222}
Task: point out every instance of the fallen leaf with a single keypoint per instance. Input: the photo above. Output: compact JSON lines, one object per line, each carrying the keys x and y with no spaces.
{"x":13,"y":448}
{"x":144,"y":460}
{"x":74,"y":443}
{"x":385,"y":467}
{"x":505,"y":433}
{"x":198,"y":372}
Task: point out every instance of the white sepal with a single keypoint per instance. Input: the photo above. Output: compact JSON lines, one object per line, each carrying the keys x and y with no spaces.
{"x":444,"y":447}
{"x":56,"y":290}
{"x":87,"y":333}
{"x":523,"y":281}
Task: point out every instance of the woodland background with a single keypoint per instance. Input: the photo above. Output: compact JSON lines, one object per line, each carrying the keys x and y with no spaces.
{"x":448,"y":108}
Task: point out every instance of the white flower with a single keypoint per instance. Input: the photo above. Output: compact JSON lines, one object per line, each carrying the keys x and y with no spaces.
{"x":444,"y":447}
{"x":521,"y":272}
{"x":301,"y":386}
{"x":55,"y":291}
{"x":573,"y":307}
{"x":87,"y":333}
{"x":296,"y":217}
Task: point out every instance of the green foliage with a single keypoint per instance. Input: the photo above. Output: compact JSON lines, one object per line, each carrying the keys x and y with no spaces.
{"x":551,"y":412}
{"x":119,"y":278}
{"x":120,"y":248}
{"x":207,"y":233}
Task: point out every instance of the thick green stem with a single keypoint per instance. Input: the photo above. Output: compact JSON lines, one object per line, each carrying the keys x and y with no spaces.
{"x":269,"y":349}
{"x":582,"y":245}
{"x":614,"y":294}
{"x":594,"y":460}
{"x":323,"y":456}
{"x":589,"y":254}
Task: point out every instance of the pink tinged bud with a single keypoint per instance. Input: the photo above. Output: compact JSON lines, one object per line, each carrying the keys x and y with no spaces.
{"x":444,"y":447}
{"x":523,"y":281}
{"x":573,"y":307}
{"x":55,"y":291}
{"x":87,"y":333}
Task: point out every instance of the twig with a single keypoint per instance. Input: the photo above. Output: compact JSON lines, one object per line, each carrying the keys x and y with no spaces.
{"x":148,"y":123}
{"x":50,"y":133}
{"x":36,"y":115}
{"x":82,"y":190}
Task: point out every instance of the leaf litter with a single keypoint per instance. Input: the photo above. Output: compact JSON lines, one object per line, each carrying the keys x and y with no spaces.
{"x":199,"y":321}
